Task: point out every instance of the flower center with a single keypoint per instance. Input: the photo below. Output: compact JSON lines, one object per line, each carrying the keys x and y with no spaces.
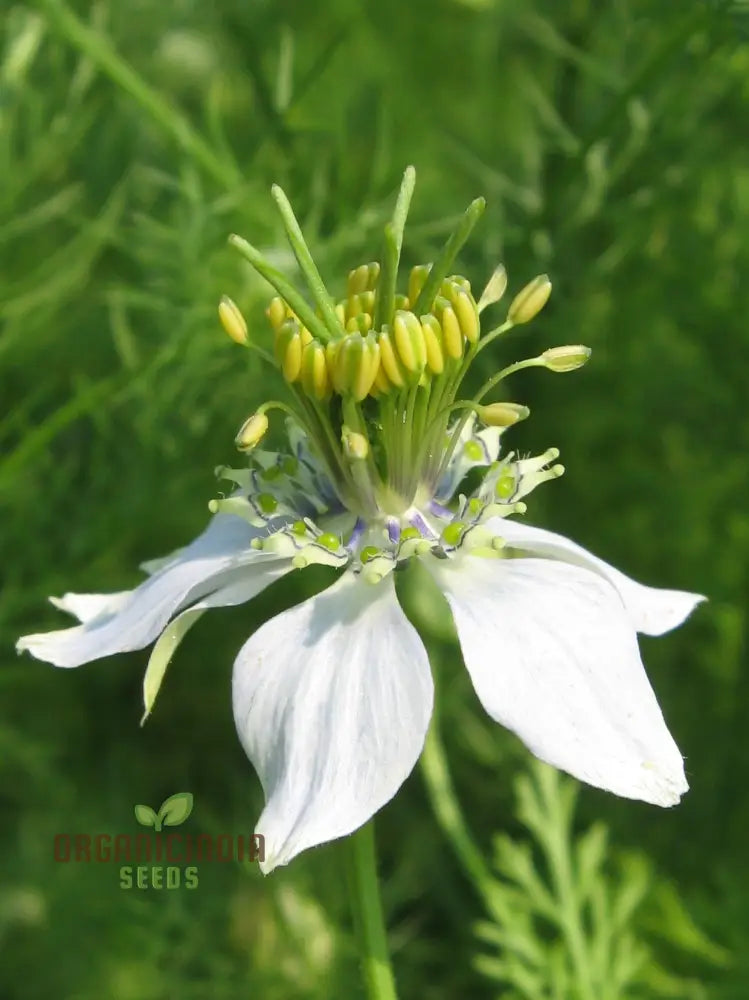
{"x":375,"y":380}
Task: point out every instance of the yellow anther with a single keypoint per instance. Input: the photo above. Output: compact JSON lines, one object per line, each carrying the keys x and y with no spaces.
{"x":251,"y":432}
{"x":389,"y":360}
{"x":347,"y":362}
{"x":459,"y":281}
{"x":340,"y":311}
{"x":530,"y":300}
{"x":356,"y":363}
{"x":365,"y":378}
{"x":566,"y":359}
{"x":452,"y":336}
{"x":433,"y":343}
{"x":276,"y":312}
{"x":358,"y":280}
{"x":288,"y":348}
{"x":409,"y":341}
{"x":467,"y":313}
{"x":232,"y":320}
{"x":374,"y":274}
{"x":401,"y":302}
{"x":314,"y":376}
{"x":417,"y":279}
{"x":353,"y":306}
{"x":363,"y":278}
{"x":502,"y":414}
{"x":381,"y":384}
{"x":367,"y":302}
{"x":331,"y":352}
{"x":306,"y":337}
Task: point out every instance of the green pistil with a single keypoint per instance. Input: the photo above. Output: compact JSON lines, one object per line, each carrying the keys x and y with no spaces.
{"x":385,"y":299}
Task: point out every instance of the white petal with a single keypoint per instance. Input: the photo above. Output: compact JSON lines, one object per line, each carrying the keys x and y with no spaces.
{"x":250,"y":580}
{"x":651,"y":610}
{"x":553,"y":657}
{"x":125,"y":622}
{"x":332,"y":700}
{"x":87,"y":607}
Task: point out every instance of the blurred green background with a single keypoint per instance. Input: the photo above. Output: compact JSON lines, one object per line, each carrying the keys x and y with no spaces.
{"x":610,"y":140}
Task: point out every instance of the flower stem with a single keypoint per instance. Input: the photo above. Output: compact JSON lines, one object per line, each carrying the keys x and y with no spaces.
{"x":368,"y":920}
{"x":449,"y":815}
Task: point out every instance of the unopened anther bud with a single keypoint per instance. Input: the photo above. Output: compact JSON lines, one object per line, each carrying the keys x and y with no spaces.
{"x":276,"y":312}
{"x":566,"y":359}
{"x":353,"y":306}
{"x":452,"y":336}
{"x":389,"y":360}
{"x":363,"y":278}
{"x":495,"y":288}
{"x":433,"y":342}
{"x":355,"y":445}
{"x":409,"y":341}
{"x":314,"y":374}
{"x":530,"y":300}
{"x":358,"y":280}
{"x":288,"y":350}
{"x":381,"y":385}
{"x":232,"y":320}
{"x":356,"y":364}
{"x":502,"y":414}
{"x":417,"y":279}
{"x":251,"y":432}
{"x":367,"y":301}
{"x":467,"y":313}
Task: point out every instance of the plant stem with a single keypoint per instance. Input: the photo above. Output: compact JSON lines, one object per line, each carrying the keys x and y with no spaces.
{"x":449,"y":815}
{"x":368,"y":920}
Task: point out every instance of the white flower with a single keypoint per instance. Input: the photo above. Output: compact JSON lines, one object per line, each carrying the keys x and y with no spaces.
{"x":332,"y":698}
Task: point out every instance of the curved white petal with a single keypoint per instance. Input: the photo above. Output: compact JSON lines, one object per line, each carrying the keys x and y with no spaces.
{"x":250,"y":580}
{"x":651,"y":610}
{"x":553,"y":657}
{"x":332,"y":700}
{"x":116,"y":623}
{"x":87,"y":607}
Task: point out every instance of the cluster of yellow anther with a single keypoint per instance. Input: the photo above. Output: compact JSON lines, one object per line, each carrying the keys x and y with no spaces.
{"x":362,"y":361}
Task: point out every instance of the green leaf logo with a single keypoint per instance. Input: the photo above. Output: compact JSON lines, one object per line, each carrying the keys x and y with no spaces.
{"x":173,"y":811}
{"x":146,"y":816}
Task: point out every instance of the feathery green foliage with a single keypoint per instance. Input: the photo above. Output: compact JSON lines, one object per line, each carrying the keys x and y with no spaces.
{"x":609,"y":141}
